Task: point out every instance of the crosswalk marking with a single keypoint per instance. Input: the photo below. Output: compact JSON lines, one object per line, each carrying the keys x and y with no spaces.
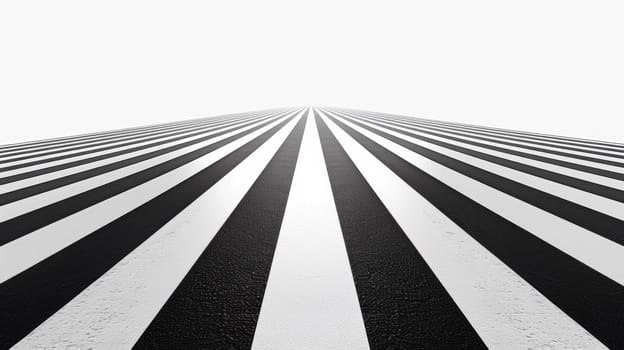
{"x":603,"y":255}
{"x":391,"y":276}
{"x":19,"y":254}
{"x":312,"y":228}
{"x":524,"y":134}
{"x":597,"y":222}
{"x":515,"y":246}
{"x":217,"y":303}
{"x":55,"y":194}
{"x":487,"y":291}
{"x":36,"y":145}
{"x":517,"y":157}
{"x":611,"y":171}
{"x":310,"y":300}
{"x":587,"y":199}
{"x":66,"y":151}
{"x":29,"y":169}
{"x":128,"y":296}
{"x":516,"y":143}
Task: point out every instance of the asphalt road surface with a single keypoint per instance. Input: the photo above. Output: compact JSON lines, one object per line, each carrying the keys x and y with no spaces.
{"x":312,"y":228}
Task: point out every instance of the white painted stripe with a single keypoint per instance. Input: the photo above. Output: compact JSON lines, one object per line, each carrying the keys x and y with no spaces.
{"x":75,"y":138}
{"x":71,"y":140}
{"x":46,"y":142}
{"x":589,"y":163}
{"x":113,"y":143}
{"x":310,"y":301}
{"x":20,"y":254}
{"x":539,"y":164}
{"x":596,"y":202}
{"x":115,"y":310}
{"x":496,"y":142}
{"x":28,"y":204}
{"x":599,"y":253}
{"x":37,"y":154}
{"x":587,"y":142}
{"x":550,"y":144}
{"x":75,"y":169}
{"x":613,"y":146}
{"x":577,"y":149}
{"x":33,"y":146}
{"x":505,"y":310}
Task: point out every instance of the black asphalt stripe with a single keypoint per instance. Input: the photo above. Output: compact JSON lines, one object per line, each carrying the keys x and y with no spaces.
{"x":85,"y":140}
{"x":86,"y":143}
{"x":588,"y":297}
{"x":583,"y":185}
{"x":34,"y":145}
{"x":595,"y":221}
{"x":26,"y":300}
{"x":603,"y":145}
{"x":536,"y":136}
{"x":53,"y":168}
{"x":41,"y":187}
{"x":403,"y":303}
{"x":21,"y":225}
{"x":588,"y":169}
{"x":499,"y":140}
{"x":87,"y":147}
{"x":93,"y":136}
{"x":216,"y":305}
{"x":494,"y":137}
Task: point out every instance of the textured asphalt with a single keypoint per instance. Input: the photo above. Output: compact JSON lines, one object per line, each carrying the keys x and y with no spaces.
{"x":524,"y":235}
{"x":396,"y":288}
{"x":216,"y":305}
{"x":590,"y":298}
{"x":35,"y":294}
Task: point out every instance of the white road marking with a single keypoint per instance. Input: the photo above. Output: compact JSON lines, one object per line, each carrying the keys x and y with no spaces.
{"x":115,"y":310}
{"x":505,"y":310}
{"x":599,"y":253}
{"x":28,"y":250}
{"x":310,"y":301}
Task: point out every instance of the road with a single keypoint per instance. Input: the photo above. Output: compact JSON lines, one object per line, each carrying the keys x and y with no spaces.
{"x":312,"y":228}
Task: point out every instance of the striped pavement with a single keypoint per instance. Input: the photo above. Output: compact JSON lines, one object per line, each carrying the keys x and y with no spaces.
{"x":312,"y":228}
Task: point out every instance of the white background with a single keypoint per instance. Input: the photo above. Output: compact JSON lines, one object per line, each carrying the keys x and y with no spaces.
{"x":79,"y":66}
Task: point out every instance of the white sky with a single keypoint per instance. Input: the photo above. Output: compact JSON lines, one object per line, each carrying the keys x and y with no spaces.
{"x":80,"y":66}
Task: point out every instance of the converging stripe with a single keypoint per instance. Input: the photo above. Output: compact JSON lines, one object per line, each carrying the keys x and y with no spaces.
{"x":312,"y":228}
